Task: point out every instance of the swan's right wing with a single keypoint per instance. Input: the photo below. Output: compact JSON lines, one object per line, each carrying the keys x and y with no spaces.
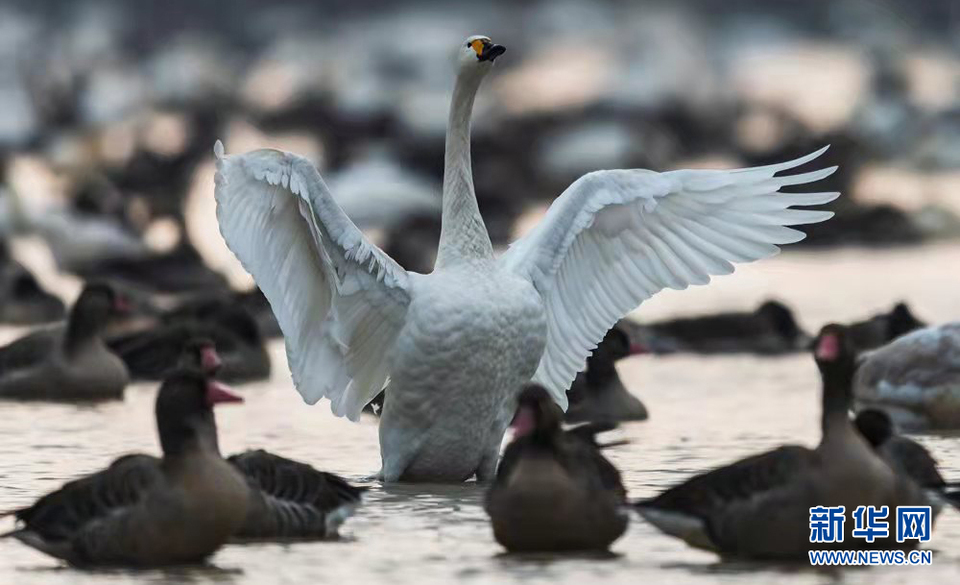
{"x":340,"y":301}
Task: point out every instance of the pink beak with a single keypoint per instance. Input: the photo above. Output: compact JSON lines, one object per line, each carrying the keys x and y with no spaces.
{"x":523,"y":422}
{"x":829,"y":347}
{"x":638,"y":349}
{"x":218,"y":393}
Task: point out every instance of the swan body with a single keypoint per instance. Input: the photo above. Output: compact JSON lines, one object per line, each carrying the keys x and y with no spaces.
{"x":458,"y":344}
{"x":472,"y":316}
{"x":915,"y":379}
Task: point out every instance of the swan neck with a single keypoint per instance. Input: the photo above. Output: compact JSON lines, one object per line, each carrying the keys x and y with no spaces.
{"x":463,"y":235}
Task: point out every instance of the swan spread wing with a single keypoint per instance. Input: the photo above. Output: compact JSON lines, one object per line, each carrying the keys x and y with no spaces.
{"x":313,"y":265}
{"x":615,"y":238}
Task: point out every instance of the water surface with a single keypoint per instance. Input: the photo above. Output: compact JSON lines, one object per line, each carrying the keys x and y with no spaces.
{"x":704,"y":411}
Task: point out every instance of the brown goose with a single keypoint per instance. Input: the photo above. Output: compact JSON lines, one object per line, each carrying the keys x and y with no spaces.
{"x":904,"y":454}
{"x":288,"y":499}
{"x":150,"y":353}
{"x":759,"y":507}
{"x":883,"y":328}
{"x":22,"y":300}
{"x":144,"y":511}
{"x":771,"y":329}
{"x":554,"y":490}
{"x":68,"y":362}
{"x":598,"y":393}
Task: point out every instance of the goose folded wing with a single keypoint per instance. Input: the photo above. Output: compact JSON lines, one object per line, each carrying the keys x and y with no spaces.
{"x":292,"y":499}
{"x":912,"y":459}
{"x":615,"y":238}
{"x":60,"y":514}
{"x":340,"y":301}
{"x":742,"y":480}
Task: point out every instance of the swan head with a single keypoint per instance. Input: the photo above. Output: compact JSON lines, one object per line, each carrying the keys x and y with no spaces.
{"x":478,"y":53}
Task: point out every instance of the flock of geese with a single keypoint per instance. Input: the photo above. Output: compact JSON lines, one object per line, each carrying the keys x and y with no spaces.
{"x":454,"y":358}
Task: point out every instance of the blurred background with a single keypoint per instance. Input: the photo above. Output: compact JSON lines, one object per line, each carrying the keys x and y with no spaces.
{"x":108,"y":113}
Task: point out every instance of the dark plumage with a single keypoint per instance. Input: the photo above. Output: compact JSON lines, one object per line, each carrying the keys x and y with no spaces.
{"x":759,"y":507}
{"x":771,"y":329}
{"x":902,"y":453}
{"x":292,"y":499}
{"x":882,"y":328}
{"x":22,"y":300}
{"x":145,"y":511}
{"x":151,"y":353}
{"x":554,"y":490}
{"x":179,"y":270}
{"x":598,"y":393}
{"x":69,"y":361}
{"x":289,"y":499}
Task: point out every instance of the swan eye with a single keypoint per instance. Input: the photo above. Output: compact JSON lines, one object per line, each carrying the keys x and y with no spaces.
{"x":477,"y":46}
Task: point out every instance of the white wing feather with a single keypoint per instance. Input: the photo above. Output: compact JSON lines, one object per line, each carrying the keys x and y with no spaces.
{"x":340,"y":301}
{"x":615,"y":238}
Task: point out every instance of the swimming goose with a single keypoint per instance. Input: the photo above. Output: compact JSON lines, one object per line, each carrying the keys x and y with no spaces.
{"x":769,"y":330}
{"x":68,"y":362}
{"x":883,"y":328}
{"x":903,"y":454}
{"x":915,"y":379}
{"x":288,"y":499}
{"x":22,"y":300}
{"x":151,"y":353}
{"x":292,"y":500}
{"x":554,"y":491}
{"x":144,"y":511}
{"x":459,"y":343}
{"x":598,"y":393}
{"x":759,"y":507}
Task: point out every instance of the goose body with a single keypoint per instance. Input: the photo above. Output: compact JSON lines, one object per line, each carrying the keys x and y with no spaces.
{"x":915,"y":378}
{"x":458,"y":344}
{"x":882,"y":328}
{"x":67,"y":362}
{"x":148,"y":511}
{"x":151,"y":353}
{"x":292,"y":500}
{"x":22,"y":300}
{"x":554,"y":490}
{"x":598,"y":393}
{"x":902,"y":453}
{"x":180,"y":508}
{"x":769,"y":330}
{"x":759,"y":507}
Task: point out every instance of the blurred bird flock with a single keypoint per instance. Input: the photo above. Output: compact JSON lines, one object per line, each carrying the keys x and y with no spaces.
{"x":109,"y":112}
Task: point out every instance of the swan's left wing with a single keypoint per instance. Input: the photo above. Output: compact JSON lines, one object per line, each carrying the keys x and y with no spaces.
{"x":340,"y":301}
{"x":615,"y":238}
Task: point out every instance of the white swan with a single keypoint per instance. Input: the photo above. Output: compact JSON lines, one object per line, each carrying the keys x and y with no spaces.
{"x":458,"y":344}
{"x":915,"y":378}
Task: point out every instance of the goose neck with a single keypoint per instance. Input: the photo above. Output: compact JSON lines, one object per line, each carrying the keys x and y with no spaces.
{"x":837,"y":398}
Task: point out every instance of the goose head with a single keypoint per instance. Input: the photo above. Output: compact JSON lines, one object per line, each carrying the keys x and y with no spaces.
{"x":834,"y":352}
{"x":96,"y":306}
{"x":184,"y":410}
{"x":100,"y":301}
{"x":537,"y":415}
{"x":836,"y":358}
{"x":477,"y":54}
{"x":200,"y":353}
{"x":875,"y":426}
